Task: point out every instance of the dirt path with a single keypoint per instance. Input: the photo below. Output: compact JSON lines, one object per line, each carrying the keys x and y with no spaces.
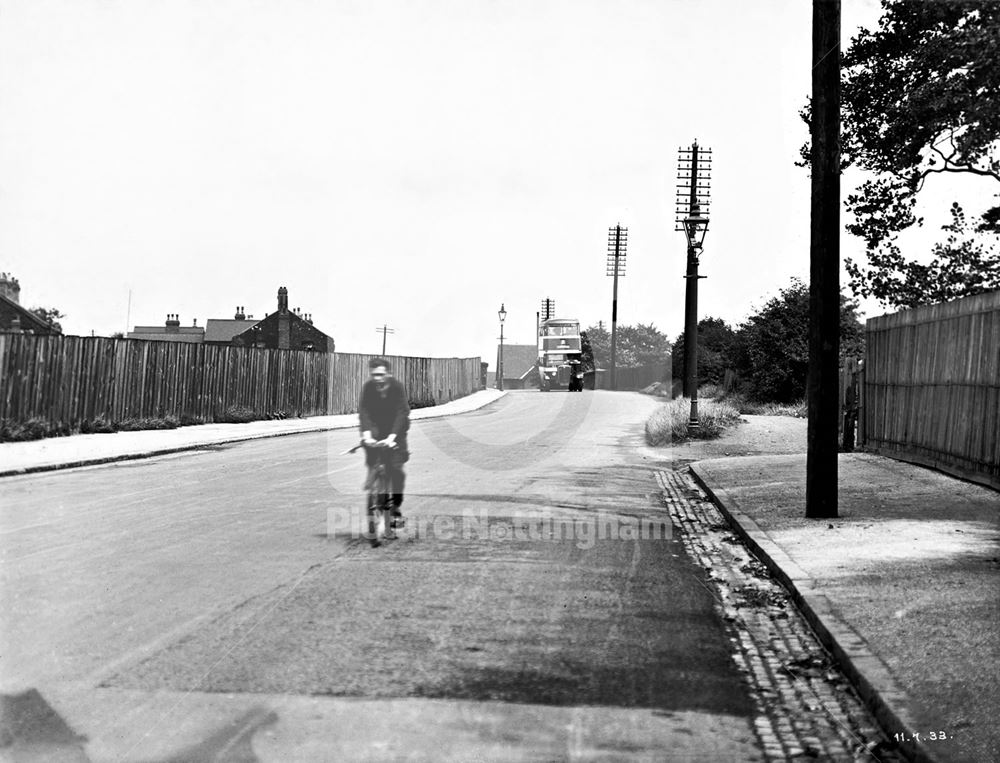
{"x":756,"y":436}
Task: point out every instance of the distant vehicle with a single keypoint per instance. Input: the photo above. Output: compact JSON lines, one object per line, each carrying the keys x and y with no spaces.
{"x":559,"y":355}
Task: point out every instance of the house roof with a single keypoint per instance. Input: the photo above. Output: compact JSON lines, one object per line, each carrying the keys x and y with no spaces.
{"x":224,"y":329}
{"x":518,"y":359}
{"x":29,"y":321}
{"x":194,"y":334}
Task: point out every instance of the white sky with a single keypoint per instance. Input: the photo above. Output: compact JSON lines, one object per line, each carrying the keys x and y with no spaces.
{"x":409,"y":162}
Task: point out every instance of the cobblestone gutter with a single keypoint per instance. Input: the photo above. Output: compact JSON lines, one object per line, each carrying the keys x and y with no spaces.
{"x":805,"y":707}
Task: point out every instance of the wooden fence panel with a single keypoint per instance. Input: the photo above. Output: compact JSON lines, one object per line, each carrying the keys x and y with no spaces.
{"x":932,"y":386}
{"x":69,"y":381}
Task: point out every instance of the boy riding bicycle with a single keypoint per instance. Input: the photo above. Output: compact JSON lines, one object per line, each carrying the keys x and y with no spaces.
{"x":385,"y":419}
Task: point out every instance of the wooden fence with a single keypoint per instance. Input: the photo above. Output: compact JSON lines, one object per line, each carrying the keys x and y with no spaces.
{"x":633,"y":378}
{"x":932,"y":387}
{"x":66,"y":381}
{"x":851,"y":398}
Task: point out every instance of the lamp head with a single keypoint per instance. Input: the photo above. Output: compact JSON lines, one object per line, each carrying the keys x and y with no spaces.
{"x":502,"y":313}
{"x":695,"y":227}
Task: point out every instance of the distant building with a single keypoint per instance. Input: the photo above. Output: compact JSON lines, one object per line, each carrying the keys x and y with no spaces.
{"x":222,"y":330}
{"x":170,"y":331}
{"x":14,"y":319}
{"x":285,"y":329}
{"x":518,"y":366}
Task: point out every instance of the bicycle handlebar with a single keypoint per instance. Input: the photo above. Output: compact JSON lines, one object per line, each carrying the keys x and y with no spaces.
{"x":360,"y":445}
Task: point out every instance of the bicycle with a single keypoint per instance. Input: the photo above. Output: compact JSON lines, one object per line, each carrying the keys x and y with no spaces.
{"x":378,"y":504}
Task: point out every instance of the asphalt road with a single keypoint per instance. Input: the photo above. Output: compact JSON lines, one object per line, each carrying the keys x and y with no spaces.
{"x":219,"y":604}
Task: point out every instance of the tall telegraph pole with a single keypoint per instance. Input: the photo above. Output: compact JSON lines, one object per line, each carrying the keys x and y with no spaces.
{"x":824,"y":264}
{"x":694,"y":168}
{"x":617,"y":246}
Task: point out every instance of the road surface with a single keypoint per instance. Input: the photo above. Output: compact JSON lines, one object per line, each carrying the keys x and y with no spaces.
{"x":219,"y":604}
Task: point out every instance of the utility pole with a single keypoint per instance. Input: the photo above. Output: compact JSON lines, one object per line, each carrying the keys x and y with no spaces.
{"x":694,"y":168}
{"x":615,"y":266}
{"x":824,"y":264}
{"x":383,"y":331}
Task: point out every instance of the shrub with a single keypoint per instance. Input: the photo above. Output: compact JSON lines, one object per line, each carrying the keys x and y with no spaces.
{"x":756,"y":408}
{"x":100,"y":425}
{"x":669,"y":423}
{"x":236,"y":414}
{"x":710,"y":392}
{"x":135,"y":425}
{"x":32,"y":429}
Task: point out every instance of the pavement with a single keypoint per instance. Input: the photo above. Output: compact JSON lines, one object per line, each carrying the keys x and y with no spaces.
{"x":902,"y":587}
{"x":89,"y":449}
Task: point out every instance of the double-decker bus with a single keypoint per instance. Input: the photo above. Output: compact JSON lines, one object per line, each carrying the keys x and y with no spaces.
{"x":559,"y":355}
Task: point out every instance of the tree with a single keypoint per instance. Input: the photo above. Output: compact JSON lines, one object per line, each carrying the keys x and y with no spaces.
{"x":639,"y":345}
{"x":771,"y":348}
{"x":715,"y":342}
{"x":921,"y":97}
{"x":961,"y":266}
{"x":50,"y":315}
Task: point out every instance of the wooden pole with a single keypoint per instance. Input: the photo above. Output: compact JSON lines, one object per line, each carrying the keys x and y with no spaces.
{"x":824,"y":264}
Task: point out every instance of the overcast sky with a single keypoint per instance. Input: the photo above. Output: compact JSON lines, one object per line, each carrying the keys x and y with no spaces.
{"x":407,"y":162}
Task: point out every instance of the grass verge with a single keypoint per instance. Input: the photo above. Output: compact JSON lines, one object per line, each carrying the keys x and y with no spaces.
{"x":669,"y":423}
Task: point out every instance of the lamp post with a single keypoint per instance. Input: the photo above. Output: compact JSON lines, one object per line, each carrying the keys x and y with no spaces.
{"x":502,"y":314}
{"x":695,"y":227}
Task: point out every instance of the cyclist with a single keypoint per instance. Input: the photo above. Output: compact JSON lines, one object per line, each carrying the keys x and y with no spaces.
{"x":385,"y":420}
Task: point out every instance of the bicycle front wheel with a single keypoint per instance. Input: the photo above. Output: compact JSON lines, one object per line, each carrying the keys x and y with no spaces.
{"x":377,"y":520}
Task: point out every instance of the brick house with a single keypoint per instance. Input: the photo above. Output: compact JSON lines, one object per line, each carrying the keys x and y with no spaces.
{"x":14,"y":319}
{"x":220,"y":331}
{"x":285,"y":329}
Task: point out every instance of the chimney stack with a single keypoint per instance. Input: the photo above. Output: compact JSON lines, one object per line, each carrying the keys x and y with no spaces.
{"x":240,"y":315}
{"x":173,"y":323}
{"x":10,"y":288}
{"x":282,"y":300}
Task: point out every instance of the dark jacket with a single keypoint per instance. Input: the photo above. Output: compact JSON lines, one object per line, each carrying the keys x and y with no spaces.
{"x":385,"y":413}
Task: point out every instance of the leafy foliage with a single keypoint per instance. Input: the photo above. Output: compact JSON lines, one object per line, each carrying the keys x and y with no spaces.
{"x":771,"y":349}
{"x":50,"y":315}
{"x":639,"y":345}
{"x":961,"y":266}
{"x":715,"y":343}
{"x":921,"y":97}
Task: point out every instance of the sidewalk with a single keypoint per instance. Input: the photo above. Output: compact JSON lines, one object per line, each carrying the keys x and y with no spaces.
{"x":86,"y":449}
{"x":903,"y":587}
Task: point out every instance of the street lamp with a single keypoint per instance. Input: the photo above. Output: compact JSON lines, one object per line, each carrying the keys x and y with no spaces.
{"x":695,"y":228}
{"x":502,"y":314}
